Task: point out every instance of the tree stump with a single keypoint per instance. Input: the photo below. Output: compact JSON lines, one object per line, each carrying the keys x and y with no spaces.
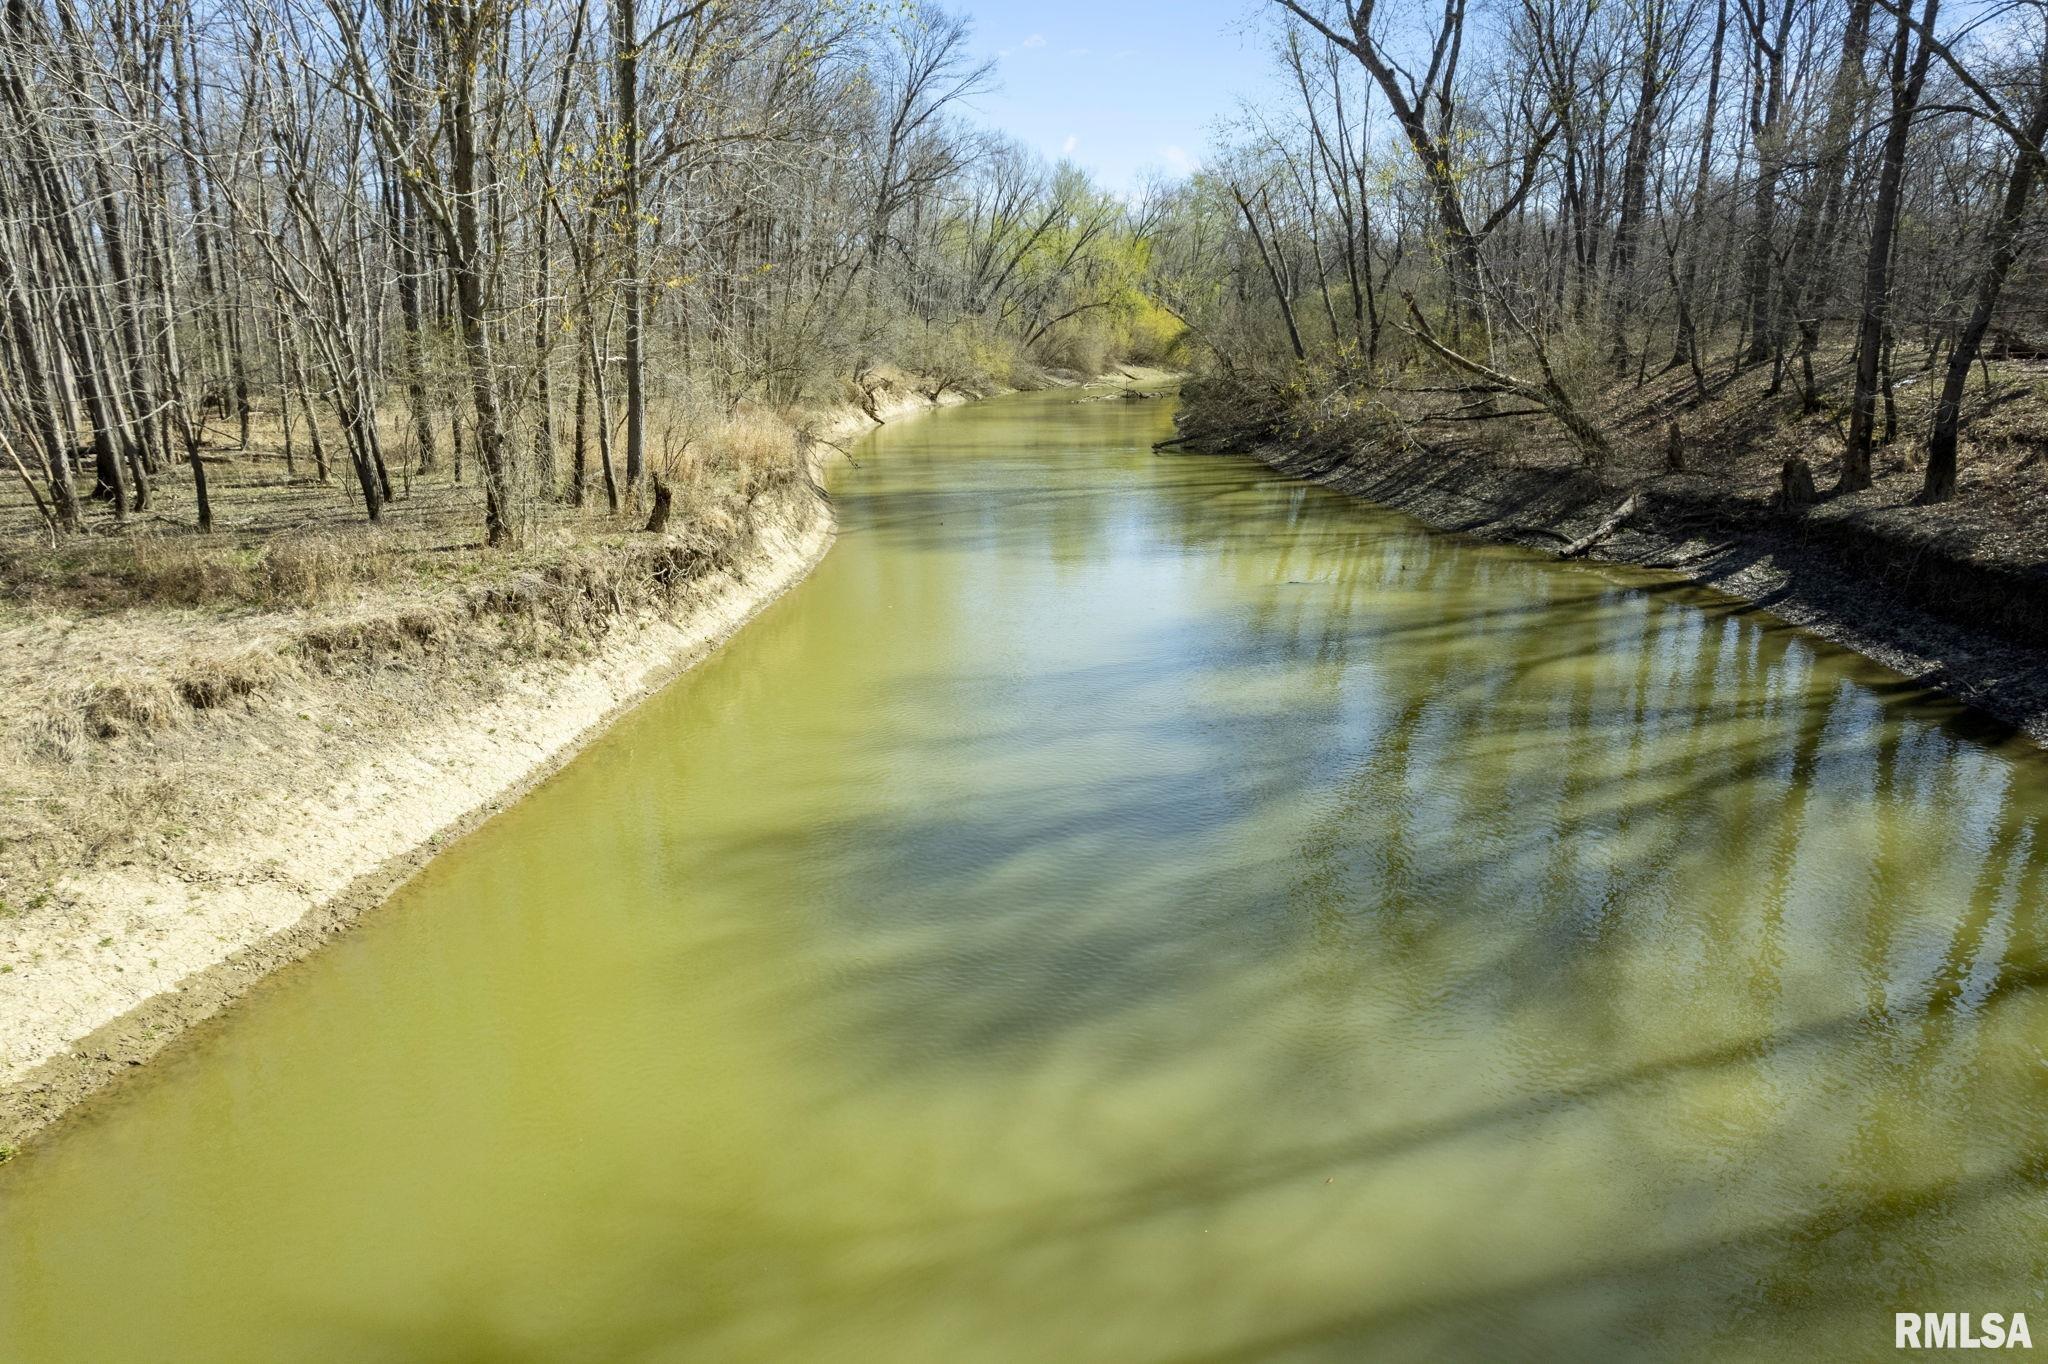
{"x":657,"y":520}
{"x":1795,"y":485}
{"x":1674,"y":450}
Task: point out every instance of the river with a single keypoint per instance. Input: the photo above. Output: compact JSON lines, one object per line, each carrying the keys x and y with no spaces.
{"x":1128,"y":907}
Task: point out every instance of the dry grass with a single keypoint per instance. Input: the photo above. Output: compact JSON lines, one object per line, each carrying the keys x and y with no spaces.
{"x":154,"y":566}
{"x":761,"y":450}
{"x":134,"y":659}
{"x":730,"y":461}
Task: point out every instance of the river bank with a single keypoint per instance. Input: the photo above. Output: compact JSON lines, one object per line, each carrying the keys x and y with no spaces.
{"x":1967,"y":627}
{"x":1108,"y":877}
{"x":332,"y":760}
{"x":251,"y":783}
{"x":1955,"y":598}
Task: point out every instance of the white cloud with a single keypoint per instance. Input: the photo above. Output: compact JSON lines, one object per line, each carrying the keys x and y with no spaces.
{"x":1077,"y":52}
{"x":1035,"y":40}
{"x":1067,"y":147}
{"x":1177,"y":158}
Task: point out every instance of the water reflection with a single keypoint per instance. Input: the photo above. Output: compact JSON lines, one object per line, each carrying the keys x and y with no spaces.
{"x":1128,"y":907}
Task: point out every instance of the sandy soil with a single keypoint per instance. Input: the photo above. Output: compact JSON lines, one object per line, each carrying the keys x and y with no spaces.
{"x":327,"y":815}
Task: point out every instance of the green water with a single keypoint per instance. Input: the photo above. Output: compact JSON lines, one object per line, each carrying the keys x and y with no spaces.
{"x":1131,"y":908}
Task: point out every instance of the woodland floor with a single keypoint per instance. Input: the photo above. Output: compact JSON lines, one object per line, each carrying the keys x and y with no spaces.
{"x":1738,"y":439}
{"x":125,"y":652}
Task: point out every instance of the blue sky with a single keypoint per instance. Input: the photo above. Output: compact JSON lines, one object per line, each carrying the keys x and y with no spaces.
{"x":1119,"y":86}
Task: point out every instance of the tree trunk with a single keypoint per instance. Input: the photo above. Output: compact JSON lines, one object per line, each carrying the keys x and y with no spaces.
{"x":1635,"y":182}
{"x":657,"y":520}
{"x":1768,"y":126}
{"x":472,"y":314}
{"x":626,"y":77}
{"x":1806,"y":280}
{"x":1908,"y":76}
{"x":39,"y":387}
{"x":579,"y":438}
{"x":604,"y":427}
{"x":1272,"y":274}
{"x":1685,"y":344}
{"x":2001,"y":249}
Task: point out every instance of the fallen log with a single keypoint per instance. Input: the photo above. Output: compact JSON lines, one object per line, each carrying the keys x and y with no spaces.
{"x":1613,"y":522}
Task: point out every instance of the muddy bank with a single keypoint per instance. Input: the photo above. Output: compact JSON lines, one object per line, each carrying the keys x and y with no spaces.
{"x":329,"y":796}
{"x":1973,"y":627}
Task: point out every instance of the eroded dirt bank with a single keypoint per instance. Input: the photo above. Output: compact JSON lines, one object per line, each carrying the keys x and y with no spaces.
{"x":1973,"y":625}
{"x":319,"y":792}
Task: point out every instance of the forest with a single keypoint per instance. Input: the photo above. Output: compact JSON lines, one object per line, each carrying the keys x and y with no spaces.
{"x":1799,"y":225}
{"x":551,"y":252}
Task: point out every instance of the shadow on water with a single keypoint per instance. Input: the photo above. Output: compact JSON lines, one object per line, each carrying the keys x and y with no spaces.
{"x":1450,"y":858}
{"x":1141,"y":909}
